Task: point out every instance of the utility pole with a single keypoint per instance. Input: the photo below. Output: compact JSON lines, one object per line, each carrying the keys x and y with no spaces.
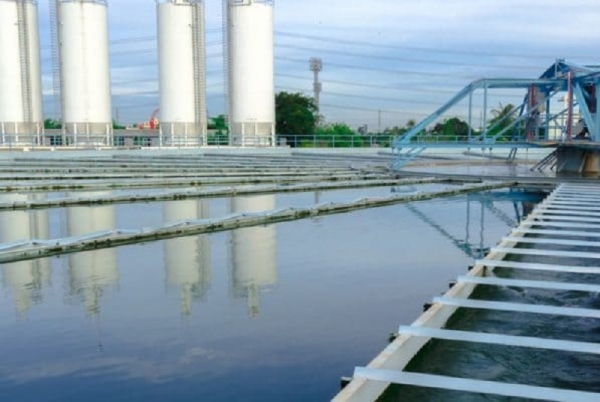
{"x":316,"y":66}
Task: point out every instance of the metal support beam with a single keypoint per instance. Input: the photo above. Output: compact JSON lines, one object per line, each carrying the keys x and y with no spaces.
{"x":539,"y":267}
{"x":517,"y":283}
{"x":585,"y":111}
{"x":485,"y":111}
{"x":554,"y":224}
{"x":550,"y":217}
{"x":505,"y":340}
{"x":475,"y":386}
{"x":570,"y":207}
{"x":518,"y":307}
{"x":595,"y":135}
{"x":569,"y":233}
{"x":557,"y":242}
{"x":546,"y":253}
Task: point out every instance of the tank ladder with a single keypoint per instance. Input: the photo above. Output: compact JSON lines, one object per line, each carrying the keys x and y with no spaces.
{"x":25,"y":64}
{"x":199,"y":57}
{"x":56,"y":70}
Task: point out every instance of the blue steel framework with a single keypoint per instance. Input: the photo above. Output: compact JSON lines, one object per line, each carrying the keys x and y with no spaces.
{"x":532,"y":120}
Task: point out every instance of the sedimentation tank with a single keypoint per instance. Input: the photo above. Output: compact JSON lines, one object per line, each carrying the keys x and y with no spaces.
{"x":250,"y":76}
{"x":21,"y":117}
{"x":182,"y":72}
{"x":84,"y":71}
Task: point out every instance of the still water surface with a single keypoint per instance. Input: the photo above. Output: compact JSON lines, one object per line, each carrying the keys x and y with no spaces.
{"x":274,"y":313}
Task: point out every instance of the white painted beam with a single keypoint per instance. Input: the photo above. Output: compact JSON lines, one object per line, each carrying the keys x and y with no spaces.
{"x":500,"y":339}
{"x":494,"y":281}
{"x":547,"y":253}
{"x":559,"y":233}
{"x":539,"y":267}
{"x":518,"y":307}
{"x":475,"y":386}
{"x":557,"y":242}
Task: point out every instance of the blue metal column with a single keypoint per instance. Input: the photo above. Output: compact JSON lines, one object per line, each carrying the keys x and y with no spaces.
{"x":485,"y":105}
{"x":547,"y":131}
{"x":594,"y":135}
{"x":585,"y":111}
{"x":470,"y":115}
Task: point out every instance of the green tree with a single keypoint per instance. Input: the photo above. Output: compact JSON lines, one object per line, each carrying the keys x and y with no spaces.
{"x":218,"y":123}
{"x":51,"y":124}
{"x":502,"y":117}
{"x":221,"y":136}
{"x":395,"y":131}
{"x":452,"y":129}
{"x":338,"y":135}
{"x":117,"y":126}
{"x":296,"y":114}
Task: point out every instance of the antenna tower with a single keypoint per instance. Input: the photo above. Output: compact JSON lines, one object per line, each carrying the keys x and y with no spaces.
{"x":316,"y":66}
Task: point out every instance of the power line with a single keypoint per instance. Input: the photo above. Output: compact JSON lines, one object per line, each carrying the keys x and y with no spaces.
{"x":387,"y":87}
{"x":383,"y":70}
{"x":478,"y":53}
{"x":371,"y":86}
{"x":377,"y":98}
{"x":404,"y":59}
{"x":387,"y":111}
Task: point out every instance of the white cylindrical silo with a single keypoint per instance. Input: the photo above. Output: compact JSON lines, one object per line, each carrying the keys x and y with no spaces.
{"x":85,"y":73}
{"x":21,"y":117}
{"x":253,"y":253}
{"x":182,"y":72}
{"x":251,"y":72}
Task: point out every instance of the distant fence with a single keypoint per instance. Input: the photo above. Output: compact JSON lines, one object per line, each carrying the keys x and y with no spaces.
{"x":336,"y":141}
{"x":151,"y":139}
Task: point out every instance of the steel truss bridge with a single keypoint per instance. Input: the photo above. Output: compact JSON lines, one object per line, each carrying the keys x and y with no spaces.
{"x":533,"y":123}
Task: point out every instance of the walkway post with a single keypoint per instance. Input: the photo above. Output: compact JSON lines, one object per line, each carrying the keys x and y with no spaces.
{"x":570,"y":107}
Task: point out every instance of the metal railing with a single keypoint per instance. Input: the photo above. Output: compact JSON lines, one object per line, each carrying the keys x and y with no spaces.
{"x":336,"y":141}
{"x":140,"y":138}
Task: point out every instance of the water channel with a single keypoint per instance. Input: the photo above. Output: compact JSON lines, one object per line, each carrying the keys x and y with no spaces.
{"x":268,"y":313}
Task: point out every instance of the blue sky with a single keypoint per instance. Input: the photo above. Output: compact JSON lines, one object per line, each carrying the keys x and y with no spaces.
{"x":403,"y":58}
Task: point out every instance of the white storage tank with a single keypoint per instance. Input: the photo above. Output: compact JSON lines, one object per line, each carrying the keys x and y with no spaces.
{"x":182,"y":72}
{"x":21,"y":117}
{"x":253,"y":253}
{"x":85,"y":73}
{"x":251,"y":72}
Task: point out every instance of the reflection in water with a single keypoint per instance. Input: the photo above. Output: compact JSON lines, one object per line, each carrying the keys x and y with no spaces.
{"x":253,"y":253}
{"x":92,"y":272}
{"x":187,"y":259}
{"x":523,"y":203}
{"x":26,"y":279}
